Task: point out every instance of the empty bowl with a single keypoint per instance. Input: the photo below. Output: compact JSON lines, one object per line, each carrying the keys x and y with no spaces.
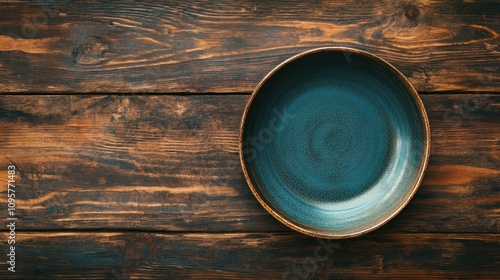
{"x":334,"y":142}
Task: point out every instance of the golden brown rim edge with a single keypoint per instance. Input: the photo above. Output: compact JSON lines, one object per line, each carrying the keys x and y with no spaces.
{"x":423,"y":164}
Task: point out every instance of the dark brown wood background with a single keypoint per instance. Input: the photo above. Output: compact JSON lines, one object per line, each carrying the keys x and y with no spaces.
{"x":122,"y":120}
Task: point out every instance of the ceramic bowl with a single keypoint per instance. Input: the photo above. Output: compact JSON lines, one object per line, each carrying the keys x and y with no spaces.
{"x":334,"y":142}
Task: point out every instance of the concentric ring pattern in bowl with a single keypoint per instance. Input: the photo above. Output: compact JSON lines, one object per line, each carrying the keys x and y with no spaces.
{"x":334,"y":142}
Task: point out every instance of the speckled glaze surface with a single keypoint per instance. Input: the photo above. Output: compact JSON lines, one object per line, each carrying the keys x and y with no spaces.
{"x":334,"y":142}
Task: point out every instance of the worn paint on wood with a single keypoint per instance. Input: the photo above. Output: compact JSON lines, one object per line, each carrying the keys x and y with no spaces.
{"x":136,"y":187}
{"x":171,"y":163}
{"x":139,"y":255}
{"x":228,"y":46}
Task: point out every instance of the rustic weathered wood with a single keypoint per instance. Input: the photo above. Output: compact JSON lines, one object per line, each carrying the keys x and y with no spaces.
{"x":149,"y":187}
{"x":170,"y":163}
{"x":228,"y":46}
{"x":84,"y":255}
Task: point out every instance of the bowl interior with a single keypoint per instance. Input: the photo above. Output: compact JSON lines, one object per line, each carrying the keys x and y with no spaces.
{"x":334,"y":142}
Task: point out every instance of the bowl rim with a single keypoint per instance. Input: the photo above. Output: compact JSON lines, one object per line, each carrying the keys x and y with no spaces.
{"x":423,"y":164}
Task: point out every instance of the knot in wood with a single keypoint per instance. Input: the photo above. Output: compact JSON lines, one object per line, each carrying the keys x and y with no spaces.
{"x":91,"y":51}
{"x":411,"y":12}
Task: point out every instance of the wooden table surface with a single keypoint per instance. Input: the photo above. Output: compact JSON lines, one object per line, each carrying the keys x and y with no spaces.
{"x":121,"y":119}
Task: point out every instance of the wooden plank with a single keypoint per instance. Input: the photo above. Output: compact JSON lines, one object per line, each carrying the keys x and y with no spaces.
{"x":71,"y":255}
{"x":171,"y":163}
{"x":228,"y":46}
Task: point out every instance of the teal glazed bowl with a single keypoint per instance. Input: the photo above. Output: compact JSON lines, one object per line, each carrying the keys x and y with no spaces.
{"x":334,"y":142}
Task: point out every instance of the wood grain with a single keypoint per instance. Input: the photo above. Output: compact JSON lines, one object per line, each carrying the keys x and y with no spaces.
{"x":228,"y":46}
{"x":84,"y":255}
{"x":170,"y":163}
